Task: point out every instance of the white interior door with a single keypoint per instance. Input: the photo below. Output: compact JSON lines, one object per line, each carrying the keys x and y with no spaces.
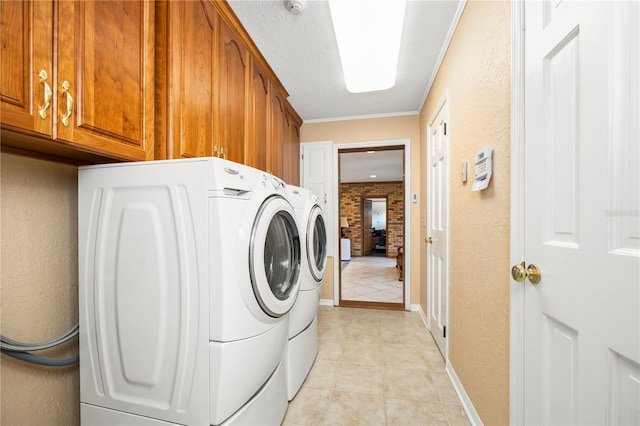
{"x":316,"y":172}
{"x":581,"y":321}
{"x":437,"y":219}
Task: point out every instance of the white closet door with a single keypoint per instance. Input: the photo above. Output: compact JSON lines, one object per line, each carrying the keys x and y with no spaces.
{"x":582,"y":320}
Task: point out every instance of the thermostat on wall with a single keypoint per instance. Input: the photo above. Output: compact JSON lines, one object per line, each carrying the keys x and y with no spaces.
{"x":483,"y":169}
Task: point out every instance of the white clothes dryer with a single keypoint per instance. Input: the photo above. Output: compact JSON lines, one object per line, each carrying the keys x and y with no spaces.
{"x":188,"y":269}
{"x":303,"y":333}
{"x":255,"y":277}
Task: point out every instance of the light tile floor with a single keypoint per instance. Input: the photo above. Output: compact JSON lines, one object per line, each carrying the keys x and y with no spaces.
{"x":372,"y":279}
{"x":375,"y":367}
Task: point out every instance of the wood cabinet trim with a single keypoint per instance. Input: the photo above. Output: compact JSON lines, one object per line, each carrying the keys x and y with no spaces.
{"x":232,"y":20}
{"x":294,"y":114}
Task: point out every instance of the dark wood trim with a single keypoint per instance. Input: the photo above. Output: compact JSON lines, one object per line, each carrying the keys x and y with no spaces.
{"x":371,"y":305}
{"x":372,"y":182}
{"x":44,"y":148}
{"x":377,"y":148}
{"x":357,"y":303}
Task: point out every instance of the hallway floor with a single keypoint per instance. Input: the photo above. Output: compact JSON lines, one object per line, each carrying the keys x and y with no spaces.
{"x":372,"y":279}
{"x":375,"y":367}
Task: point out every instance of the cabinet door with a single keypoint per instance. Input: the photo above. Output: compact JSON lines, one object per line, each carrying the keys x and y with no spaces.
{"x":105,"y":58}
{"x":256,"y":155}
{"x":286,"y":150}
{"x":292,"y":154}
{"x":188,"y":29}
{"x":276,"y":140}
{"x":231,"y":114}
{"x":26,"y":65}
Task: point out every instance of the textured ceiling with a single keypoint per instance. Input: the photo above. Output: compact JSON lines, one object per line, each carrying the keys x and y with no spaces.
{"x":359,"y":166}
{"x":302,"y":51}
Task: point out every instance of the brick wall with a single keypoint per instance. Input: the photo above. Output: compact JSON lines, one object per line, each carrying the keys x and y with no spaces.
{"x":351,"y":206}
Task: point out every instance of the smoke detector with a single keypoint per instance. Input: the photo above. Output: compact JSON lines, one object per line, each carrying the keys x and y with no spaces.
{"x":294,"y":6}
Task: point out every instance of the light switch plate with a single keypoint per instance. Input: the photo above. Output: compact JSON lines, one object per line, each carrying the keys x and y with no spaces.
{"x":463,"y":172}
{"x":414,"y":197}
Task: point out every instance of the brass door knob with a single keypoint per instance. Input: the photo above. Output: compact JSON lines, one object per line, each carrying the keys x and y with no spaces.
{"x":520,"y":273}
{"x":430,"y":240}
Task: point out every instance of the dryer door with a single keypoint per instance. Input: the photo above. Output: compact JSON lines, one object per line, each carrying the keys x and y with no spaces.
{"x":274,"y":257}
{"x":316,"y":244}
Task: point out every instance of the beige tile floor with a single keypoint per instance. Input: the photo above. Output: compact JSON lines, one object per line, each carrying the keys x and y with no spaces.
{"x":375,"y":367}
{"x":371,"y":278}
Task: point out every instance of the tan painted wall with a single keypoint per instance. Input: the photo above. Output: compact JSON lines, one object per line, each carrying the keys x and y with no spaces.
{"x":476,"y":73}
{"x":39,"y":288}
{"x":326,"y":292}
{"x":373,"y":130}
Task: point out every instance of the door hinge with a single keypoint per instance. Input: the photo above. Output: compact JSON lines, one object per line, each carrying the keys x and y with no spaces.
{"x":302,"y":156}
{"x":445,"y":129}
{"x":444,"y":331}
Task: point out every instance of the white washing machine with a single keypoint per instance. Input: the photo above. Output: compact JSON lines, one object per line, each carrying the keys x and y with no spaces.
{"x":303,"y":324}
{"x":188,"y":269}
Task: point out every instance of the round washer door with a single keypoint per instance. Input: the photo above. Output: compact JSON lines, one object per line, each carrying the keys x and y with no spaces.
{"x":274,"y":257}
{"x":316,"y":244}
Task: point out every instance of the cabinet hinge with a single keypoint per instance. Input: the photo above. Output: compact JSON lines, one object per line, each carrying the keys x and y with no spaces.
{"x":444,"y":331}
{"x":445,"y":129}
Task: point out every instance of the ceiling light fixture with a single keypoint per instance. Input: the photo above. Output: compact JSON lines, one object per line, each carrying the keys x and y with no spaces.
{"x":372,"y":176}
{"x":371,"y":152}
{"x":368,"y":33}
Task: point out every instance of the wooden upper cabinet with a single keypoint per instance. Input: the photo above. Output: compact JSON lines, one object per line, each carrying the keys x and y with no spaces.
{"x":204,"y":66}
{"x":100,"y":103}
{"x":105,"y":76}
{"x":26,"y":66}
{"x":292,"y":141}
{"x":258,"y":116}
{"x":186,"y":41}
{"x":276,"y":143}
{"x":139,"y":79}
{"x":233,"y":72}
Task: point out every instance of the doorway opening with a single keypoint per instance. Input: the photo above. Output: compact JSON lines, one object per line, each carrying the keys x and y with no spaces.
{"x":374,"y":229}
{"x":371,"y":206}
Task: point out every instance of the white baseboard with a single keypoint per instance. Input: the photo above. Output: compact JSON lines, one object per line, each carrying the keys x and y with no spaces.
{"x":414,"y":308}
{"x":472,"y":414}
{"x":423,"y":316}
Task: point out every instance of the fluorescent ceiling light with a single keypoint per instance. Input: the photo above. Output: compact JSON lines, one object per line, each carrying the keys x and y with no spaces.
{"x":368,"y":33}
{"x":372,"y":176}
{"x":371,"y":152}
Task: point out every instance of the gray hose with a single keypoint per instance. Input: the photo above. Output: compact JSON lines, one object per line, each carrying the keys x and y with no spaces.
{"x":19,"y":350}
{"x":16,"y":346}
{"x":42,"y":360}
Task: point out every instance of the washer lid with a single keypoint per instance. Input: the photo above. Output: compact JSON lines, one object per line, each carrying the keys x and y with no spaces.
{"x":274,"y":257}
{"x":316,"y":244}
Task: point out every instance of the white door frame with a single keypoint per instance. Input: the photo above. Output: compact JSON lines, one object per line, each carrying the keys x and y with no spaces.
{"x":407,"y":213}
{"x":517,"y":197}
{"x":443,"y":104}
